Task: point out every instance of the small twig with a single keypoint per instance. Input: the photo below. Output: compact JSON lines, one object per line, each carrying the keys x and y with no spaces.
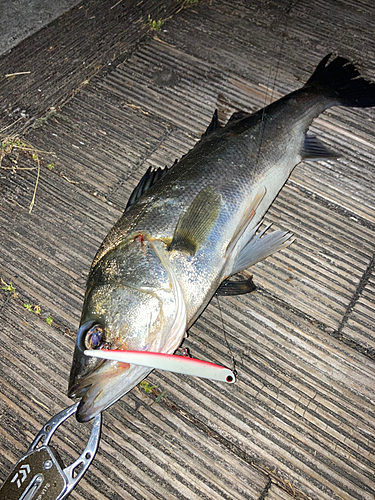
{"x":11,"y":125}
{"x":18,"y":168}
{"x":35,"y":188}
{"x":16,"y":74}
{"x":66,"y":178}
{"x":16,"y":202}
{"x":116,"y":4}
{"x":23,"y":148}
{"x":162,"y":41}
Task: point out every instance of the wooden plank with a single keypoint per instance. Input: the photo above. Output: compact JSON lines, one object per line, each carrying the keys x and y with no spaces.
{"x":360,"y":323}
{"x":276,"y":493}
{"x":65,"y":55}
{"x":317,"y":274}
{"x":37,"y":255}
{"x":106,"y":132}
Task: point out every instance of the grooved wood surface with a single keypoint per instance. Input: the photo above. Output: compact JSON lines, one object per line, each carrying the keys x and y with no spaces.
{"x":276,"y":493}
{"x":300,"y":421}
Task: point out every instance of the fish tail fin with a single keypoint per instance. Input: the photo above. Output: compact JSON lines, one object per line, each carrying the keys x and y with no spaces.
{"x":343,"y":81}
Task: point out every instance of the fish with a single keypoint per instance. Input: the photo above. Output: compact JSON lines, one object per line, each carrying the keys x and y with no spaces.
{"x":189,"y":229}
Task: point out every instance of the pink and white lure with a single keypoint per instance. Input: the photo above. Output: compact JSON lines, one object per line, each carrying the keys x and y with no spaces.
{"x":168,"y":362}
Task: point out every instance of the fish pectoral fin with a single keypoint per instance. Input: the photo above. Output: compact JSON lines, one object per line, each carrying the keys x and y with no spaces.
{"x":260,"y":246}
{"x":238,"y":287}
{"x":314,"y":150}
{"x":195,"y":224}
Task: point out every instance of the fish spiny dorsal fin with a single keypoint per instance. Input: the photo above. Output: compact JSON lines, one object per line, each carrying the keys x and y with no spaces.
{"x":150,"y":178}
{"x":195,"y":224}
{"x":214,"y":125}
{"x":314,"y":150}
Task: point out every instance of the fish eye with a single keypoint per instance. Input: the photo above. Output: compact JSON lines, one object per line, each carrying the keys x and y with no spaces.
{"x":94,"y":337}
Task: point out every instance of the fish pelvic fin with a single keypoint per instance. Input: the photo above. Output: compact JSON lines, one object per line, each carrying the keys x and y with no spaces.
{"x":341,"y":78}
{"x":195,"y":224}
{"x":260,"y":246}
{"x":236,"y":287}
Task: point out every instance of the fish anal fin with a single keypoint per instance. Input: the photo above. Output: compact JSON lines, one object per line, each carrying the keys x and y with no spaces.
{"x":314,"y":150}
{"x":245,"y":223}
{"x":195,"y":224}
{"x":238,"y":287}
{"x":260,"y":246}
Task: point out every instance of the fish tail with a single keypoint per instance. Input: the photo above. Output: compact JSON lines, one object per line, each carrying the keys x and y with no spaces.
{"x":341,"y":80}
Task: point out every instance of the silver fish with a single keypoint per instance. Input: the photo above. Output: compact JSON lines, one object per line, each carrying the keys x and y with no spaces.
{"x":187,"y":229}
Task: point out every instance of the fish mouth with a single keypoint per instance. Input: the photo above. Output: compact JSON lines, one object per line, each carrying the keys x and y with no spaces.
{"x":99,"y":382}
{"x":104,"y":386}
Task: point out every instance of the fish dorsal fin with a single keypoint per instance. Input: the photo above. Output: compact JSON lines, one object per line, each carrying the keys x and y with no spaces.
{"x":238,"y":115}
{"x":246,"y":221}
{"x":314,"y":150}
{"x":195,"y":224}
{"x":214,"y":125}
{"x":150,"y":178}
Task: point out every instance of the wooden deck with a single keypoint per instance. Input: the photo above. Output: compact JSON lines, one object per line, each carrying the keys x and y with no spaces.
{"x":109,"y":97}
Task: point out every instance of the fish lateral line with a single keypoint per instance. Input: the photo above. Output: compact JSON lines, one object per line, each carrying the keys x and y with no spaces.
{"x":167,"y":362}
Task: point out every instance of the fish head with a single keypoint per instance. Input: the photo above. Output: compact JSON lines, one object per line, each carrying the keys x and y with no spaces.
{"x":133,"y":302}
